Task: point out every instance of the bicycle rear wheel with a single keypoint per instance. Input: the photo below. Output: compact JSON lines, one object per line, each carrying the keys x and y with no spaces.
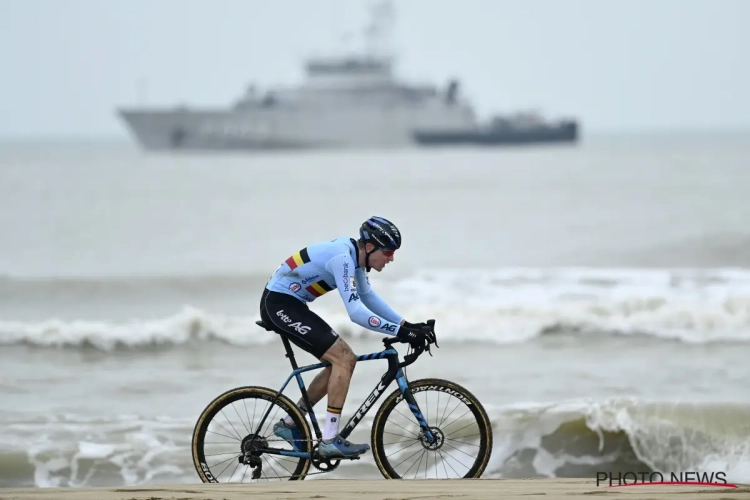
{"x":226,"y":430}
{"x":458,"y":421}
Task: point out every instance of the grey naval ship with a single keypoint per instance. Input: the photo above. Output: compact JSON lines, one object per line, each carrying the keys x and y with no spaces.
{"x":350,"y":101}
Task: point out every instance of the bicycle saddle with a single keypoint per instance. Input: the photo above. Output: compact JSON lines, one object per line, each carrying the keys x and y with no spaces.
{"x":263,"y":325}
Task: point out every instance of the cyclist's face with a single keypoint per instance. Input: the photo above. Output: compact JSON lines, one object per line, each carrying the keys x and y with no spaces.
{"x":379,"y":258}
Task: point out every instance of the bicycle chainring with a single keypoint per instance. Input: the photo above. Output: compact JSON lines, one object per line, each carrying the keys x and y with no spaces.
{"x":323,"y":464}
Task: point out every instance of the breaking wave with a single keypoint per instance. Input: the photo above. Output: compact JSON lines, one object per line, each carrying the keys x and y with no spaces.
{"x":575,"y":439}
{"x":497,"y":307}
{"x":579,"y":439}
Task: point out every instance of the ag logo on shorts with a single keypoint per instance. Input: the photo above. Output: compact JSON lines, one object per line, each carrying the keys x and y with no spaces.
{"x":374,"y":321}
{"x":296,"y":326}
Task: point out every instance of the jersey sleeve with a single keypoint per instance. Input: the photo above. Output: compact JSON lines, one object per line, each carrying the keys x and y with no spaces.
{"x":342,"y":268}
{"x":373,"y":301}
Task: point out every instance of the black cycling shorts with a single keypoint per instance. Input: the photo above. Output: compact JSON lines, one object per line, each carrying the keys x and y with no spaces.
{"x":290,"y":316}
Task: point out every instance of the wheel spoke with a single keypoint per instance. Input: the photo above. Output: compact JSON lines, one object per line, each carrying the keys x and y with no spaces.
{"x":239,"y":429}
{"x":451,"y":447}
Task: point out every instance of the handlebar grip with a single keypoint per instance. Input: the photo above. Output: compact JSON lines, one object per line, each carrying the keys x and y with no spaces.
{"x":409,"y":358}
{"x":392,"y":340}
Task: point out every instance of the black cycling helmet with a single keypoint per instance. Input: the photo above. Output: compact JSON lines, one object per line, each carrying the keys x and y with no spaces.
{"x":381,"y":233}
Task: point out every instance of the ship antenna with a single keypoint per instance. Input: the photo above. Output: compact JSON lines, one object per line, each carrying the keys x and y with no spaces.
{"x":379,"y":30}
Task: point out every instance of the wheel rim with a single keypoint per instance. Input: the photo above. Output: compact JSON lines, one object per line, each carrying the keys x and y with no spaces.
{"x":460,"y":442}
{"x":225,"y":441}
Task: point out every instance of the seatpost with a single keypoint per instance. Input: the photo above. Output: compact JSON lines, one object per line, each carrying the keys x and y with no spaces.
{"x":289,"y":352}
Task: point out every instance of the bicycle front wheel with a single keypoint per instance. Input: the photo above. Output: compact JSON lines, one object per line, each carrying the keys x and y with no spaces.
{"x":456,"y":418}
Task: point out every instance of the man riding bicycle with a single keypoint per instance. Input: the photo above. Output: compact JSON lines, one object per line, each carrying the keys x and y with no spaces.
{"x":340,"y":264}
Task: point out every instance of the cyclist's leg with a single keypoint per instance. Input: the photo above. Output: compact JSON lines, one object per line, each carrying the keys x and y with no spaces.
{"x":342,"y":361}
{"x":317,"y":388}
{"x":311,"y":333}
{"x":306,"y":330}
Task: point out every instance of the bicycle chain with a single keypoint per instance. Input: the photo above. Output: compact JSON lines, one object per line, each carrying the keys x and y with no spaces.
{"x":313,"y":460}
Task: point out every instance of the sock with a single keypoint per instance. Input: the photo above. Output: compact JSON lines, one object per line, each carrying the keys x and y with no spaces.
{"x":288,"y":419}
{"x":333,"y":415}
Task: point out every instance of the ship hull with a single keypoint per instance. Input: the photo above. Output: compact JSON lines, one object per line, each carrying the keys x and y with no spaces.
{"x":566,"y":133}
{"x":280,"y":128}
{"x":198,"y":130}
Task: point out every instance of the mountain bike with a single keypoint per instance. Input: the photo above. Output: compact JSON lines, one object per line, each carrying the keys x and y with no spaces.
{"x":408,"y":429}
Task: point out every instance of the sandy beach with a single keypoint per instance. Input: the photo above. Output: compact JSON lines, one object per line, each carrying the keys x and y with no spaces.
{"x":552,"y":489}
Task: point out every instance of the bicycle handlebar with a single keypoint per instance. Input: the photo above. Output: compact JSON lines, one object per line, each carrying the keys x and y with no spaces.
{"x":410,"y":358}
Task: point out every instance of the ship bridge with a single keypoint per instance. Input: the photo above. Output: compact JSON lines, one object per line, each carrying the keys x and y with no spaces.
{"x":349,"y":71}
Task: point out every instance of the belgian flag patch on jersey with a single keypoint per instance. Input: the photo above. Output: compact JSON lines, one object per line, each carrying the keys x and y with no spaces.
{"x":319,"y":288}
{"x":298,"y":259}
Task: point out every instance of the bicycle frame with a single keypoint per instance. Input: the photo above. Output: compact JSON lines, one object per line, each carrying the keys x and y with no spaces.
{"x":394,"y":372}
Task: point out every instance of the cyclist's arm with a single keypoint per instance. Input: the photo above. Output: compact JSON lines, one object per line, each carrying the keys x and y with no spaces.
{"x":342,"y":269}
{"x":373,"y":301}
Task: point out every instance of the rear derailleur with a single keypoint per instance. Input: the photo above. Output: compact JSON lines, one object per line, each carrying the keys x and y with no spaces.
{"x":249,"y":455}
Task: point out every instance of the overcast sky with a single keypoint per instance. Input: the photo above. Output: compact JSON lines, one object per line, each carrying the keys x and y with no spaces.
{"x":618,"y":65}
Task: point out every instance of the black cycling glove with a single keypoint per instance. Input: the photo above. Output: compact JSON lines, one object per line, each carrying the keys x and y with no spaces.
{"x":417,"y":335}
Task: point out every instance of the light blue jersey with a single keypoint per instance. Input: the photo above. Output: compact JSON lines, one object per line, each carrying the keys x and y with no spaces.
{"x":322,"y":267}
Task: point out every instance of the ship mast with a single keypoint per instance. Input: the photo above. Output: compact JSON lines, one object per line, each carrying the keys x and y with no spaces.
{"x":379,"y":30}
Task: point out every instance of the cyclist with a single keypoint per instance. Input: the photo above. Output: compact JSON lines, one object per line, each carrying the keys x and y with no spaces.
{"x":340,"y":264}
